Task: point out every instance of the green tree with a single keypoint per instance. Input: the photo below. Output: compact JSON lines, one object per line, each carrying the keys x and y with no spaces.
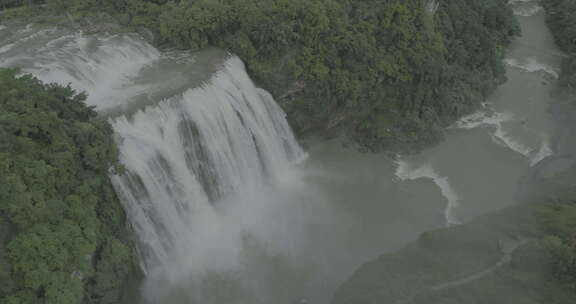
{"x":55,"y":196}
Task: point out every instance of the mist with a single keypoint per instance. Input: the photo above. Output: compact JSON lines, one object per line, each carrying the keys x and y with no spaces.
{"x":228,"y":207}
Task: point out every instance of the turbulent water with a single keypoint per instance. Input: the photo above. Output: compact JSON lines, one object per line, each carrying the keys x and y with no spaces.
{"x":199,"y":152}
{"x":227,"y":207}
{"x":485,"y":153}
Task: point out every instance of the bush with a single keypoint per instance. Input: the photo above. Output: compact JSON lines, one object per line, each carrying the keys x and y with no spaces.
{"x":55,"y":155}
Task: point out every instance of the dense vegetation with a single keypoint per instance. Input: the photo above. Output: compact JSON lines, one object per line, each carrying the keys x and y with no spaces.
{"x":391,"y":74}
{"x":561,"y":16}
{"x":541,"y":267}
{"x":541,"y":270}
{"x":61,"y":225}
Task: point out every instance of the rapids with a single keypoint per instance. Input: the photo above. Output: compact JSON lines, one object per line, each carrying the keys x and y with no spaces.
{"x":225,"y":204}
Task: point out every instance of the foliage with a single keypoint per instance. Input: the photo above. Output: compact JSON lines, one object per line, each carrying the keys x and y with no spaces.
{"x":55,"y":155}
{"x":5,"y":4}
{"x":542,"y":270}
{"x":559,"y":223}
{"x":115,"y":263}
{"x":391,"y":74}
{"x":438,"y":256}
{"x":560,"y":18}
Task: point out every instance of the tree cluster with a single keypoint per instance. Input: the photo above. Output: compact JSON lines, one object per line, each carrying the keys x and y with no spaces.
{"x":61,"y":221}
{"x":390,"y":74}
{"x":561,"y":18}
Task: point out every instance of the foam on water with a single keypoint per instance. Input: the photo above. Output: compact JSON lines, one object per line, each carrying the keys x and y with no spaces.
{"x":6,"y":48}
{"x":531,"y":65}
{"x":525,"y":8}
{"x":544,"y":151}
{"x":101,"y":65}
{"x":528,"y":11}
{"x":408,"y":171}
{"x":487,"y":117}
{"x":199,"y":163}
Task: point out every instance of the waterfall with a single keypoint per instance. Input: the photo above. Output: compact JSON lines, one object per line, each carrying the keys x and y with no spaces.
{"x":99,"y":65}
{"x":193,"y":151}
{"x":198,"y":140}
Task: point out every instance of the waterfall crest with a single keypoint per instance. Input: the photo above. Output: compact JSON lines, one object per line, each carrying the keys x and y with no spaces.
{"x":199,"y":141}
{"x":193,"y":151}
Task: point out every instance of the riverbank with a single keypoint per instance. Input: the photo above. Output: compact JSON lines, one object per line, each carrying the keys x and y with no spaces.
{"x":537,"y":271}
{"x":564,"y":107}
{"x":508,"y":256}
{"x":437,"y":257}
{"x":362,"y":206}
{"x":509,"y":248}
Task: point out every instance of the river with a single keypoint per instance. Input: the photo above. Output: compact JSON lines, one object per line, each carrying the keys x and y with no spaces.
{"x":226,"y":205}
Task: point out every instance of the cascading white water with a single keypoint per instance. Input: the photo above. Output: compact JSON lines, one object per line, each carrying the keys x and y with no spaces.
{"x":198,"y":144}
{"x":190,"y":152}
{"x":407,"y":171}
{"x":101,"y":66}
{"x":221,"y":213}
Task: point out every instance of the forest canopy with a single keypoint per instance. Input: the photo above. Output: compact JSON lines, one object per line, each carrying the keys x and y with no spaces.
{"x":540,"y":230}
{"x":561,"y":20}
{"x":61,"y":224}
{"x":390,"y":74}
